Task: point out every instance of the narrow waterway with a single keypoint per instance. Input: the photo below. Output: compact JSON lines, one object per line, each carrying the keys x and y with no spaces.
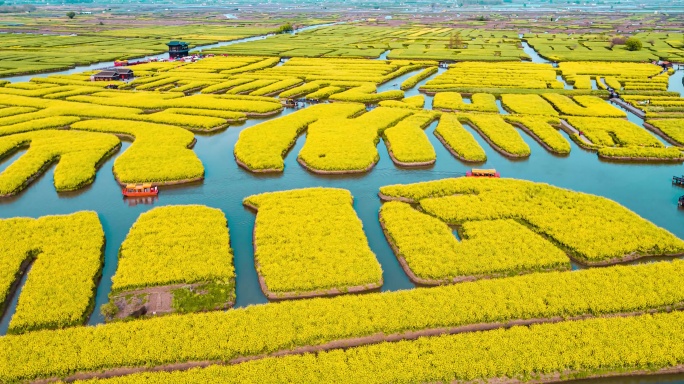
{"x":7,"y":160}
{"x":12,"y":305}
{"x":532,"y":53}
{"x":676,"y":82}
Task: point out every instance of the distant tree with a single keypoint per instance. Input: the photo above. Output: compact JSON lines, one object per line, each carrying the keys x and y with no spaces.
{"x":285,"y":28}
{"x":71,"y":14}
{"x":455,"y":40}
{"x":633,"y":44}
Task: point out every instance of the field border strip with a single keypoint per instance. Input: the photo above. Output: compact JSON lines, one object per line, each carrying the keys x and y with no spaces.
{"x":375,"y":338}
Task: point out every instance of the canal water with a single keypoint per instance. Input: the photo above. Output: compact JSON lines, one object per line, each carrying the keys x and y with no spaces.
{"x":644,"y":188}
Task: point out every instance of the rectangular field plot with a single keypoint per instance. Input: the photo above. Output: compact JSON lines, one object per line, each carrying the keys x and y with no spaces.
{"x":657,"y":107}
{"x":174,"y":259}
{"x":310,"y":242}
{"x":481,"y":75}
{"x":619,"y":76}
{"x":64,"y":254}
{"x":600,"y":48}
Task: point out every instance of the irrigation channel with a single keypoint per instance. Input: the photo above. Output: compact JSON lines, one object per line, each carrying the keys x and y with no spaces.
{"x":644,"y":188}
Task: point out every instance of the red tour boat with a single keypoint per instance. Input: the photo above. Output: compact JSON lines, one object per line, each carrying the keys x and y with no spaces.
{"x":482,"y":173}
{"x":139,"y":190}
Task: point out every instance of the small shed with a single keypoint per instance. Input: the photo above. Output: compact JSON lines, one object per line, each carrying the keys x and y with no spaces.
{"x":124,"y":73}
{"x":107,"y":75}
{"x":178,"y":49}
{"x":113,"y":74}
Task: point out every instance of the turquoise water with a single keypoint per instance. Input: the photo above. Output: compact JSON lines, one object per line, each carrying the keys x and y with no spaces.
{"x":644,"y":188}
